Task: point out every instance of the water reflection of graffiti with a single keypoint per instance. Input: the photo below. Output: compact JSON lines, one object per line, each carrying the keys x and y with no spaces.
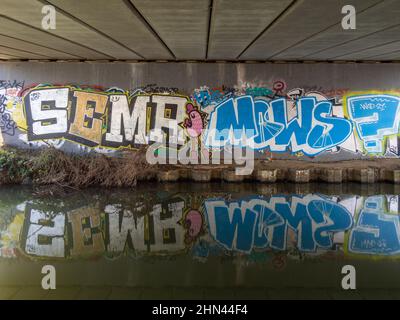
{"x":377,"y":231}
{"x":89,"y":231}
{"x":296,"y":226}
{"x":262,"y":223}
{"x":265,"y":118}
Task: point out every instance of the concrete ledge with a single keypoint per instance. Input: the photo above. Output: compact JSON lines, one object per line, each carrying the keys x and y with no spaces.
{"x":385,"y":175}
{"x":396,"y":176}
{"x":168,"y":176}
{"x":331,"y":175}
{"x":315,"y":174}
{"x":299,"y":176}
{"x":201,"y":175}
{"x":231,"y":176}
{"x":364,"y":175}
{"x":266,"y":175}
{"x":281,"y":174}
{"x":184,"y":174}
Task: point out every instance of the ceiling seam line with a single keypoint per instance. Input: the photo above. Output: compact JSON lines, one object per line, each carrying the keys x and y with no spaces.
{"x":374,"y":46}
{"x":319,"y":32}
{"x":147,"y":24}
{"x":267,"y":27}
{"x":57,"y":36}
{"x":39,"y":45}
{"x":366,"y":48}
{"x":382,"y":54}
{"x":346,"y":42}
{"x":210,"y":14}
{"x":76,"y":19}
{"x":7,"y":54}
{"x":24,"y":51}
{"x":355,"y":39}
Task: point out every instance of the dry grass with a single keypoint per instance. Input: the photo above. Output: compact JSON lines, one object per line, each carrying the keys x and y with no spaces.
{"x":52,"y":166}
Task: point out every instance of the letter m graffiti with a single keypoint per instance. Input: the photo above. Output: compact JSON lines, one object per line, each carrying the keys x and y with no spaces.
{"x":232,"y":122}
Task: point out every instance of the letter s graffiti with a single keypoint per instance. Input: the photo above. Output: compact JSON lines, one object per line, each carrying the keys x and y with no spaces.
{"x":327,"y":131}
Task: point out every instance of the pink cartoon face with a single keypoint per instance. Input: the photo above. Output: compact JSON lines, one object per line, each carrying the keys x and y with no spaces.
{"x":194,"y":124}
{"x":193,"y":223}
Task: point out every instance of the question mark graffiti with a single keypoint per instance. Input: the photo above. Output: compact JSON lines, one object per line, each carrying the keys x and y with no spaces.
{"x":376,"y":116}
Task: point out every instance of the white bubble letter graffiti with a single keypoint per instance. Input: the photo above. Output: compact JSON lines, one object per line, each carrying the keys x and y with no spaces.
{"x":49,"y":111}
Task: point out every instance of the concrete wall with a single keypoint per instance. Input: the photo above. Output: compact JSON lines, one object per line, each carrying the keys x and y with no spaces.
{"x":344,"y":110}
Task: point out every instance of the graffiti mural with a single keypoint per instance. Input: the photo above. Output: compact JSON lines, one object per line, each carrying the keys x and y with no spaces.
{"x":204,"y":225}
{"x":302,"y":121}
{"x":266,"y":125}
{"x":376,"y":117}
{"x":103,"y":119}
{"x":9,"y":98}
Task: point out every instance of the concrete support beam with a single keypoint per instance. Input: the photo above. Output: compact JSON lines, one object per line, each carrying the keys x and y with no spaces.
{"x":385,"y":175}
{"x":231,"y":176}
{"x":331,"y":175}
{"x":168,"y":176}
{"x":364,"y":175}
{"x":201,"y":175}
{"x":299,"y":176}
{"x":266,"y":175}
{"x":396,"y":176}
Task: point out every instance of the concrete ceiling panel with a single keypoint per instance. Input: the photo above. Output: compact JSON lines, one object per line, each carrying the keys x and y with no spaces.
{"x":66,"y":27}
{"x":303,"y":20}
{"x":8,"y":57}
{"x":372,"y":53}
{"x":19,"y":53}
{"x":235,"y":23}
{"x":181,"y":24}
{"x":199,"y":30}
{"x":25,"y":33}
{"x":116,"y":20}
{"x":34,"y":48}
{"x":395,"y":55}
{"x":363,"y":47}
{"x":368,"y":21}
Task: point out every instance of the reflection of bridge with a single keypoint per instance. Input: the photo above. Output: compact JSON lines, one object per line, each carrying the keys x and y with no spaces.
{"x":179,"y":279}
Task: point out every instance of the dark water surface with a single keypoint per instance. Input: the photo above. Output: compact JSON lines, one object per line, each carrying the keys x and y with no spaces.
{"x":188,"y":240}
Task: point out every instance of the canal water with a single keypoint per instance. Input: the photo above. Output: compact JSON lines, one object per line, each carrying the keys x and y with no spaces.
{"x":202,"y":241}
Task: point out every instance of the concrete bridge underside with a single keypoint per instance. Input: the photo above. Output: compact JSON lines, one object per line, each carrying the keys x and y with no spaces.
{"x":200,"y":30}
